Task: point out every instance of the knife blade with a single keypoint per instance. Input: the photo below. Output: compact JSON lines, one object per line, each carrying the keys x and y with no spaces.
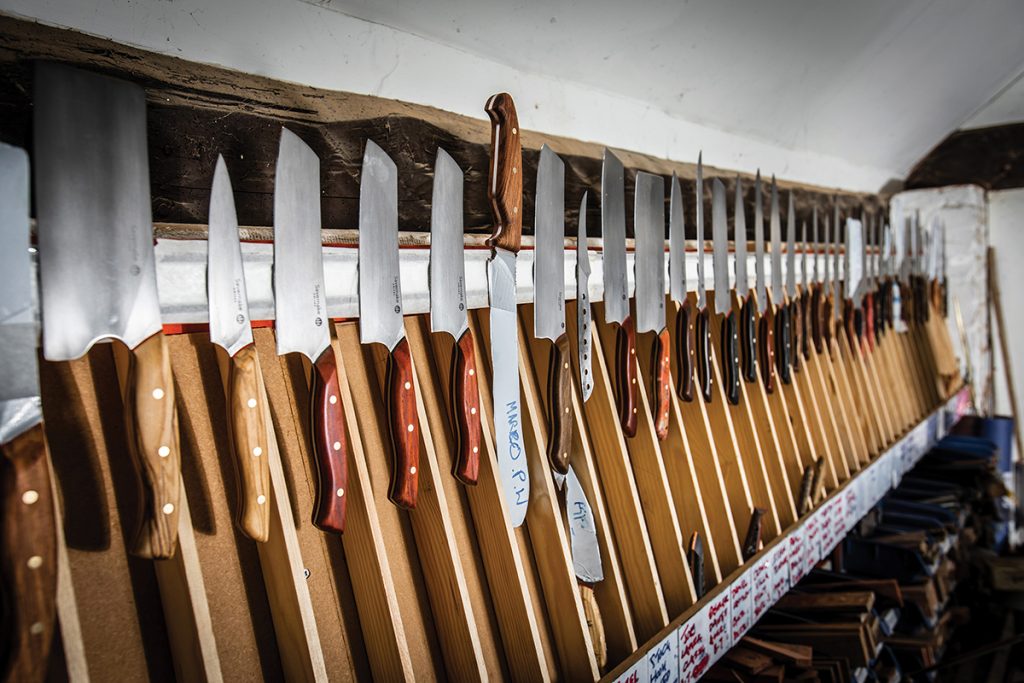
{"x":380,"y":317}
{"x":97,"y":267}
{"x":583,"y":331}
{"x":448,"y":313}
{"x":28,"y":566}
{"x":703,"y":331}
{"x":780,"y":302}
{"x":230,"y":329}
{"x":649,"y":226}
{"x":723,"y":304}
{"x":684,"y":337}
{"x":549,"y":303}
{"x":302,"y":323}
{"x":505,"y":192}
{"x":766,"y":321}
{"x":795,"y":319}
{"x":748,"y":310}
{"x":695,"y":556}
{"x":616,"y":297}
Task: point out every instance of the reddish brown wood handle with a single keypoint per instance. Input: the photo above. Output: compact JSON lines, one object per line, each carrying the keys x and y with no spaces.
{"x":625,"y":376}
{"x":466,"y":410}
{"x":559,"y":408}
{"x":684,"y":351}
{"x":826,"y":321}
{"x":766,"y":348}
{"x":405,"y":427}
{"x":869,"y":320}
{"x":249,"y":444}
{"x":817,"y":323}
{"x":330,"y":445}
{"x":505,"y":181}
{"x":28,"y":556}
{"x":661,"y":381}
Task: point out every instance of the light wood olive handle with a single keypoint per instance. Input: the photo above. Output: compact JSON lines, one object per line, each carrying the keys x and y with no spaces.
{"x":249,"y":443}
{"x":559,"y":407}
{"x":405,"y":427}
{"x":766,"y":348}
{"x":466,"y":411}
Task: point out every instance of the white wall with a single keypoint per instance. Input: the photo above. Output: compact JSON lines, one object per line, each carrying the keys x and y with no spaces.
{"x":1006,"y":234}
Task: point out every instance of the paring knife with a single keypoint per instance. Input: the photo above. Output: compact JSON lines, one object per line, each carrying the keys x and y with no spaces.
{"x":702,"y":331}
{"x":766,"y":319}
{"x":549,"y":303}
{"x":748,"y":309}
{"x":97,"y":267}
{"x":685,"y":318}
{"x":723,"y":302}
{"x":616,"y":293}
{"x":29,"y":541}
{"x":505,"y":191}
{"x":448,"y":312}
{"x":230,"y":329}
{"x":302,"y":322}
{"x":649,"y":272}
{"x":782,"y":327}
{"x":795,"y":318}
{"x":583,"y":331}
{"x":380,"y":316}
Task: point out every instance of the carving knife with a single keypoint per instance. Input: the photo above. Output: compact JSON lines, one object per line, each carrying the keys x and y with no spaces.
{"x":380,"y":316}
{"x":869,"y":284}
{"x":302,"y":323}
{"x":723,"y":303}
{"x":97,"y":267}
{"x":684,"y":338}
{"x":703,"y":332}
{"x":583,"y":330}
{"x":505,"y":191}
{"x":782,"y":328}
{"x":766,"y":316}
{"x":230,"y":329}
{"x":29,"y":540}
{"x":649,"y":271}
{"x":748,"y":310}
{"x":549,"y":303}
{"x":836,"y":258}
{"x":448,"y":312}
{"x":616,"y":293}
{"x":795,"y":319}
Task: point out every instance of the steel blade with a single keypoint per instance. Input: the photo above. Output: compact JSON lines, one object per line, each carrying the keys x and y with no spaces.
{"x":855,"y":266}
{"x":447,"y":249}
{"x":739,"y":238}
{"x":586,"y":552}
{"x":380,"y":286}
{"x":720,"y":241}
{"x":649,"y":228}
{"x":583,"y":330}
{"x":827,"y":266}
{"x":791,"y":249}
{"x":96,"y":261}
{"x":699,"y":198}
{"x":762,"y":295}
{"x":225,"y":278}
{"x":549,"y":249}
{"x":836,"y":310}
{"x":776,"y":236}
{"x":613,"y":238}
{"x":676,"y":243}
{"x":814,"y":245}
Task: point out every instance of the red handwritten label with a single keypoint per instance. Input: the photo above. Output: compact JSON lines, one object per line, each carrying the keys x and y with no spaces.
{"x":741,"y":606}
{"x":719,"y":634}
{"x":812,"y":542}
{"x":796,"y":554}
{"x":851,"y":501}
{"x":780,"y":571}
{"x":761,"y":587}
{"x":694,"y":653}
{"x":634,"y":674}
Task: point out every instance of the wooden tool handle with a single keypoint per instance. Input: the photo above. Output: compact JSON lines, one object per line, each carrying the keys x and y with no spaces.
{"x":850,"y":322}
{"x":766,"y":348}
{"x":752,"y":541}
{"x":703,"y":344}
{"x":730,"y":358}
{"x":784,"y":349}
{"x":661,"y":367}
{"x":153,"y":439}
{"x":826,"y":321}
{"x":804,"y":324}
{"x":796,"y":333}
{"x":748,"y":340}
{"x":466,"y":411}
{"x":695,"y":557}
{"x":405,"y":427}
{"x":505,"y":184}
{"x":685,"y":352}
{"x":330,"y":445}
{"x":625,"y":376}
{"x":817,"y":324}
{"x":249,"y":442}
{"x":28,"y":556}
{"x":559,"y":407}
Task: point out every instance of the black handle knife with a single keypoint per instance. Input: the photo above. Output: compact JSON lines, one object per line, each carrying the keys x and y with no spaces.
{"x":730,"y":358}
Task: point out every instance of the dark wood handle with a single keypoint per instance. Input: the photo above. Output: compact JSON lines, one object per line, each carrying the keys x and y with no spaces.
{"x":804,"y":324}
{"x":766,"y":348}
{"x":153,"y":438}
{"x":704,"y":355}
{"x":804,"y":502}
{"x":748,"y":340}
{"x":817,"y":324}
{"x":330,"y":445}
{"x":685,"y":352}
{"x":850,"y":322}
{"x":466,"y":411}
{"x":795,"y":333}
{"x":505,"y":181}
{"x":752,"y":541}
{"x":249,"y":443}
{"x":730,"y":358}
{"x":826,"y":320}
{"x":695,"y":556}
{"x":405,"y":427}
{"x":661,"y":367}
{"x":784,"y":348}
{"x":560,"y":421}
{"x":625,"y":376}
{"x":816,"y":480}
{"x":28,"y":550}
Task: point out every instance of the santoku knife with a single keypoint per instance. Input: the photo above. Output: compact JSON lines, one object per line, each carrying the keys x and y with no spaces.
{"x":702,"y":331}
{"x":723,"y":304}
{"x":684,"y":337}
{"x":748,"y":309}
{"x":766,"y":322}
{"x":583,"y":331}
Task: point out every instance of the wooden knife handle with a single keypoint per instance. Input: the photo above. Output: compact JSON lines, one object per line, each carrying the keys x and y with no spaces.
{"x":28,"y":549}
{"x":804,"y":498}
{"x":748,"y":339}
{"x":804,"y":324}
{"x":766,"y":348}
{"x":817,"y":311}
{"x":730,"y":358}
{"x":505,"y":184}
{"x":695,"y":556}
{"x":153,"y":439}
{"x":752,"y":541}
{"x":405,"y":427}
{"x":661,"y":381}
{"x":246,"y":406}
{"x":796,"y":333}
{"x":783,"y":352}
{"x":704,"y":355}
{"x":685,"y":334}
{"x":330,"y":445}
{"x":625,"y":376}
{"x":850,"y":321}
{"x":466,"y":411}
{"x":826,"y":320}
{"x":560,"y":422}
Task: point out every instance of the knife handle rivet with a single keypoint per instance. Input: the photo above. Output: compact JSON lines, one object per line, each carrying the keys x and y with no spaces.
{"x":36,"y":629}
{"x":472,"y":372}
{"x":341,"y":492}
{"x":565,"y":365}
{"x":412,"y":470}
{"x":566,"y":411}
{"x":514,"y":131}
{"x":261,"y":499}
{"x":251,"y":403}
{"x":257,"y":452}
{"x":476,"y":449}
{"x":408,"y":386}
{"x":634,"y":380}
{"x":29,"y":497}
{"x":515,"y":170}
{"x":168,"y":508}
{"x":472,"y":411}
{"x":515,"y":209}
{"x":337,"y":445}
{"x":35,"y":562}
{"x":412,"y":427}
{"x":634,"y":410}
{"x":163,"y":451}
{"x":158,"y":393}
{"x":333,"y":399}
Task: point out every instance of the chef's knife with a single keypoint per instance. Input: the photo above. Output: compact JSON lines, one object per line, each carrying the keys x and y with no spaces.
{"x":583,"y":330}
{"x":380,"y":316}
{"x":549,"y":303}
{"x":448,"y":312}
{"x":766,"y":320}
{"x":748,"y":310}
{"x":616,"y":293}
{"x":649,"y":228}
{"x":230,"y":329}
{"x":684,"y":337}
{"x":302,"y":323}
{"x":723,"y":303}
{"x":97,"y":267}
{"x":795,"y":319}
{"x":782,"y":327}
{"x":703,"y":331}
{"x":505,"y":192}
{"x":28,"y":546}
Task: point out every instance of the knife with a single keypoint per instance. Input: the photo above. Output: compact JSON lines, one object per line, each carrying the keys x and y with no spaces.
{"x":826,"y":285}
{"x":816,"y":288}
{"x":849,"y":317}
{"x":723,"y":304}
{"x":649,"y":228}
{"x":549,"y":303}
{"x":616,"y":293}
{"x":795,"y":319}
{"x":380,"y":316}
{"x":302,"y":323}
{"x":230,"y":329}
{"x":505,"y":192}
{"x":752,"y":541}
{"x":805,"y":291}
{"x":766,"y":314}
{"x":836,"y":258}
{"x":703,"y":331}
{"x":29,"y":540}
{"x":695,"y":555}
{"x":583,"y":331}
{"x":782,"y":326}
{"x":684,"y":337}
{"x":748,"y":310}
{"x":97,"y":267}
{"x":448,"y":312}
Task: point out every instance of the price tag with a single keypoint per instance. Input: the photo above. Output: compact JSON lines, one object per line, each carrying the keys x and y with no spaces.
{"x":634,"y":674}
{"x":779,"y":559}
{"x":694,"y":649}
{"x":852,"y":500}
{"x":761,"y":579}
{"x":663,"y":661}
{"x":719,"y":620}
{"x":797,"y":555}
{"x":741,"y":605}
{"x":812,"y":541}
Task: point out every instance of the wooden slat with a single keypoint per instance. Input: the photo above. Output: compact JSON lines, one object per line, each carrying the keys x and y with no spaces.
{"x":75,"y":664}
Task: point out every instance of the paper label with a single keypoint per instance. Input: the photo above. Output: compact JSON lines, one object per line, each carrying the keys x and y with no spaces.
{"x":719,"y":633}
{"x":761,"y":579}
{"x":851,"y":505}
{"x":796,"y":557}
{"x":694,"y":649}
{"x":634,"y":674}
{"x":663,"y":661}
{"x":741,"y":605}
{"x":812,"y":541}
{"x":780,"y":571}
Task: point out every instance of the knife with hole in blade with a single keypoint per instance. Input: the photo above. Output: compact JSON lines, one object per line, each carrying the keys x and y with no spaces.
{"x":616,"y":291}
{"x":779,"y":301}
{"x":230,"y":329}
{"x":505,"y":192}
{"x":380,"y":317}
{"x":28,"y":546}
{"x":549,"y":303}
{"x":301,"y":319}
{"x":649,"y":271}
{"x":583,"y":330}
{"x":795,"y":319}
{"x":748,"y":309}
{"x":684,"y":337}
{"x":98,"y":268}
{"x":448,"y":312}
{"x":703,"y":329}
{"x":766,"y":313}
{"x":729,"y":354}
